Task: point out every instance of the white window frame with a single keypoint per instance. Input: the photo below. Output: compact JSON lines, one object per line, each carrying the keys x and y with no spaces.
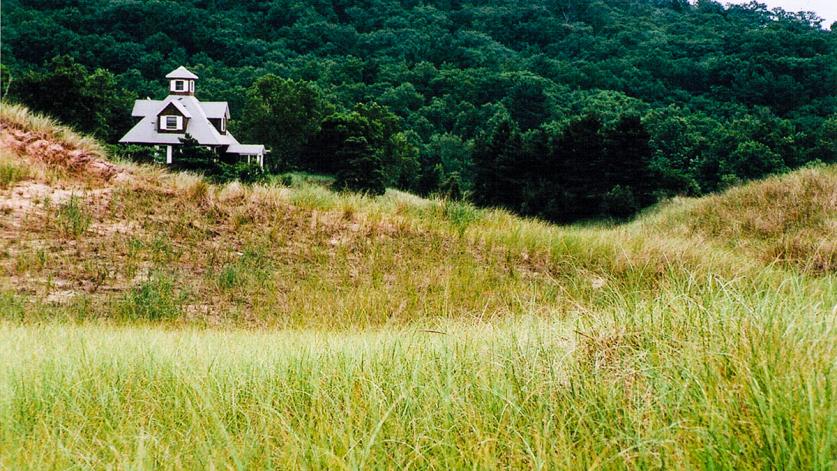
{"x":223,"y":124}
{"x":164,"y":125}
{"x":191,"y":86}
{"x":179,"y":85}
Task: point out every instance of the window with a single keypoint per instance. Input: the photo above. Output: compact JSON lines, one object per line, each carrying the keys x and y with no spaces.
{"x":223,"y":125}
{"x":180,"y":85}
{"x":170,"y":123}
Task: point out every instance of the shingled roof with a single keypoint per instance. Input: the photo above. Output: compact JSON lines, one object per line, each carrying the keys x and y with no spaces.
{"x":181,"y":73}
{"x":199,"y":127}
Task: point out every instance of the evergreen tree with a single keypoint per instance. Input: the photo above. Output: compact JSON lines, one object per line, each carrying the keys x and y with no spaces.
{"x":360,"y":168}
{"x":628,"y":162}
{"x":580,"y":159}
{"x":496,"y":156}
{"x":192,"y":156}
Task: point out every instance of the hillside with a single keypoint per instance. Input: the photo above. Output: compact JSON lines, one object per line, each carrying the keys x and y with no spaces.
{"x":501,"y":101}
{"x":152,"y":319}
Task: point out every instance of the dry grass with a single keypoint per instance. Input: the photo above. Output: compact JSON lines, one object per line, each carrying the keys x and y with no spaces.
{"x":398,"y":332}
{"x":269,"y":255}
{"x":790,"y":220}
{"x":18,"y":116}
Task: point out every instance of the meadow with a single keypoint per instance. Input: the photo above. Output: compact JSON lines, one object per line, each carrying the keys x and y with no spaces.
{"x":154,"y":320}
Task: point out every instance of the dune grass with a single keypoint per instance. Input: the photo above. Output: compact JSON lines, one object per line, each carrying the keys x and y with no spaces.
{"x":160,"y":321}
{"x":700,"y":377}
{"x":11,"y":171}
{"x":18,"y":116}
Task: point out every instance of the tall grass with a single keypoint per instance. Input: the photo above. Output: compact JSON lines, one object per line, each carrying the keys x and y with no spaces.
{"x":428,"y":334}
{"x":18,"y":116}
{"x":11,"y":172}
{"x":700,"y":377}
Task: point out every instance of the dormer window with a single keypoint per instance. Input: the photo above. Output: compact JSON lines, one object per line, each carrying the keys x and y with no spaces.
{"x":171,"y":123}
{"x":223,"y":124}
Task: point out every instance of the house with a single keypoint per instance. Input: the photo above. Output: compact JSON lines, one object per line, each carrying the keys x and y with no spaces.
{"x":165,"y":122}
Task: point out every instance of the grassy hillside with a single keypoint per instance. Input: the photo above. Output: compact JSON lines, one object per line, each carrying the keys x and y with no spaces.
{"x":154,"y":320}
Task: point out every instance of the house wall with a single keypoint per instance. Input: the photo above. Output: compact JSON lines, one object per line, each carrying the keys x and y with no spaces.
{"x":189,"y":90}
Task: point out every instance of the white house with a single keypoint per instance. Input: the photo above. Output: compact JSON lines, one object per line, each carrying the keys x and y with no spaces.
{"x":165,"y":122}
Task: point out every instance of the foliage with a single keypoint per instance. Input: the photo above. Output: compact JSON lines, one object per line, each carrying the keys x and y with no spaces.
{"x":88,"y":101}
{"x":192,"y":156}
{"x":241,"y":171}
{"x":11,"y":173}
{"x":341,"y":330}
{"x":152,"y":299}
{"x":283,"y":114}
{"x":724,"y":93}
{"x":135,"y":153}
{"x":360,"y":167}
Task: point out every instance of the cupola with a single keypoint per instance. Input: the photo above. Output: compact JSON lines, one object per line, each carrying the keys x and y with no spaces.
{"x":181,"y":81}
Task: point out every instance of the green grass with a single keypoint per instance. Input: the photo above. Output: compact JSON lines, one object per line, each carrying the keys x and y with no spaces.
{"x":286,"y":327}
{"x":73,"y":218}
{"x":11,"y":171}
{"x":700,"y":377}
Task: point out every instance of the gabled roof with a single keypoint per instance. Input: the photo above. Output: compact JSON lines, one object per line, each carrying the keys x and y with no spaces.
{"x":177,"y":104}
{"x":216,"y":109}
{"x":181,"y":73}
{"x":145,"y":107}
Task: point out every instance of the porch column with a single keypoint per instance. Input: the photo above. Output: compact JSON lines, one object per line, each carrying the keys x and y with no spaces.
{"x":168,"y":154}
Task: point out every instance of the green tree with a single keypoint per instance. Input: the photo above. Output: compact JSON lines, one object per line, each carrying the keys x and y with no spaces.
{"x":627,"y":163}
{"x":580,"y":158}
{"x":343,"y":147}
{"x":284,"y":114}
{"x":192,"y":156}
{"x":360,"y":167}
{"x":89,"y":101}
{"x":496,"y":155}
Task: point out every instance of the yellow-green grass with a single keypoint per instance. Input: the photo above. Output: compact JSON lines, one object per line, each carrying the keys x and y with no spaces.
{"x":160,"y":321}
{"x":701,"y":376}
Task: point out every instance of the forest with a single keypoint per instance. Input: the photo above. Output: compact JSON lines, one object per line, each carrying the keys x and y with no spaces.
{"x":564,"y":110}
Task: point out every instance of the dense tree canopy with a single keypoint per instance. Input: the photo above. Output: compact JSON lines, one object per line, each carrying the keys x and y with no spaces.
{"x":558,"y":108}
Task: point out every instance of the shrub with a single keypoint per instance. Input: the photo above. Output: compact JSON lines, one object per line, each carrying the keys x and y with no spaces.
{"x":135,"y":153}
{"x":152,"y":299}
{"x":620,"y":202}
{"x":241,"y":171}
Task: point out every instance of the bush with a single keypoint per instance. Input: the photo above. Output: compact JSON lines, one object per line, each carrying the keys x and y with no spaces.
{"x":135,"y":153}
{"x":241,"y":171}
{"x":152,"y":299}
{"x":192,"y":156}
{"x":619,"y":202}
